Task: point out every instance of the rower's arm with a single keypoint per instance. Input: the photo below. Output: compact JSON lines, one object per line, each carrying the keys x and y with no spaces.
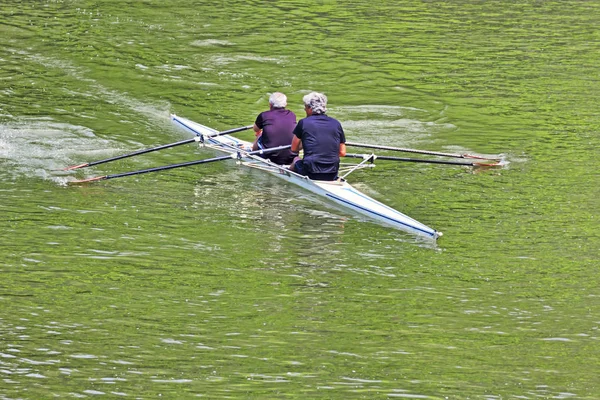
{"x":296,"y":144}
{"x":257,"y":133}
{"x":342,"y":149}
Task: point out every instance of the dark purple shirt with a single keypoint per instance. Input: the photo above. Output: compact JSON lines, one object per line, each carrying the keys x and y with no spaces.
{"x":277,"y":126}
{"x":321,"y":136}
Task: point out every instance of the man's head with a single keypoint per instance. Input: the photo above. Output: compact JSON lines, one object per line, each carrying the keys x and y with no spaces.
{"x":278,"y":100}
{"x":315,"y":102}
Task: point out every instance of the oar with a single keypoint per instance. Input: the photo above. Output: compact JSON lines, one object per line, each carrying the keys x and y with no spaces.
{"x":431,"y":153}
{"x":238,"y":154}
{"x":164,"y":146}
{"x":418,"y":160}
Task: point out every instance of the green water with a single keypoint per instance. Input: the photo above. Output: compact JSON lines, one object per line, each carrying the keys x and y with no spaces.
{"x":218,"y":282}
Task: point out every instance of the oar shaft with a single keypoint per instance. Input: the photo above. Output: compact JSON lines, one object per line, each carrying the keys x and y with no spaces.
{"x":172,"y":166}
{"x":164,"y":146}
{"x":204,"y":161}
{"x":137,"y":153}
{"x":240,"y":153}
{"x":418,"y":160}
{"x":431,"y":153}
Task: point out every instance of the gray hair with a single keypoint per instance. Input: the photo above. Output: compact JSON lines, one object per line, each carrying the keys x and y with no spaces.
{"x":317,"y":102}
{"x":278,"y":100}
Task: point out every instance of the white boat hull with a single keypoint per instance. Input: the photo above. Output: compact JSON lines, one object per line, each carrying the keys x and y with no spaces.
{"x":340,"y":192}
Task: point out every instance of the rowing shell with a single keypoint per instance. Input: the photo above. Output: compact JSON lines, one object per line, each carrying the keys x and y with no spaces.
{"x":339,"y":191}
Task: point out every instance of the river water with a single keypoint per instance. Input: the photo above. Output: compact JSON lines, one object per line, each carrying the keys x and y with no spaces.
{"x":215,"y":281}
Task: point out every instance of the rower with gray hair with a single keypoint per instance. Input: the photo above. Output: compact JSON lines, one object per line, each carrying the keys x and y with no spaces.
{"x":278,"y":100}
{"x":317,"y":102}
{"x":322,"y":139}
{"x":274,"y":128}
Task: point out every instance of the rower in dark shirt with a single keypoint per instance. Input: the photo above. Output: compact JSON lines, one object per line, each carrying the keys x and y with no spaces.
{"x":274,"y":128}
{"x":322,"y":139}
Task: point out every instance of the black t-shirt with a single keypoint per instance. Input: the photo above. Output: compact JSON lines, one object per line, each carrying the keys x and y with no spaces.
{"x":277,"y":126}
{"x":321,"y":136}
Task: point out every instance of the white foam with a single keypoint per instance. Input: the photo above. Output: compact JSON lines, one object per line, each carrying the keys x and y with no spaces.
{"x":36,"y":147}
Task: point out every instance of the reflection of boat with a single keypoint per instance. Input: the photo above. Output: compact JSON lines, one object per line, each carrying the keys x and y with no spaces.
{"x":339,"y":191}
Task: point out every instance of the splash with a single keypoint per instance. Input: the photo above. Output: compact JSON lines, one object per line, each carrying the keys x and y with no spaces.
{"x":211,"y":42}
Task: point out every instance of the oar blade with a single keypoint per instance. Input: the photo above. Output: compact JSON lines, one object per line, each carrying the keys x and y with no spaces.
{"x":93,"y":179}
{"x":72,"y":167}
{"x":489,"y":165}
{"x":476,"y":157}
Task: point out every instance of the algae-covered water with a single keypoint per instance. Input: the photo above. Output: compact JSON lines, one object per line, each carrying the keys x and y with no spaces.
{"x":219,"y":282}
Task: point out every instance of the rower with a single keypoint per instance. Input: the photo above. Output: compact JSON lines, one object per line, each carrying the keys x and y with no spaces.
{"x":322,"y":139}
{"x":274,"y":128}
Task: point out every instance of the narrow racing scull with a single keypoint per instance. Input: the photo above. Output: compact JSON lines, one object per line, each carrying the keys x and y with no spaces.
{"x":339,"y":191}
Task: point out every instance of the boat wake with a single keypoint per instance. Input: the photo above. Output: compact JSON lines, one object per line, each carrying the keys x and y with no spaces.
{"x":41,"y":147}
